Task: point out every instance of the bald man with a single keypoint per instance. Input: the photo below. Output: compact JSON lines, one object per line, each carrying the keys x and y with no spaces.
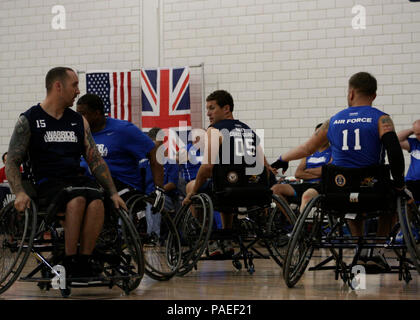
{"x":412,"y":145}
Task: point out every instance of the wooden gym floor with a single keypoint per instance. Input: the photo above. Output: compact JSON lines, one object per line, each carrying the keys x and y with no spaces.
{"x":218,"y":280}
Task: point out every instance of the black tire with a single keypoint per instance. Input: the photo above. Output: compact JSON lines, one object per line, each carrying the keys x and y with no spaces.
{"x":163,"y":258}
{"x":301,"y":242}
{"x":409,"y":219}
{"x":119,"y":251}
{"x":194,"y":232}
{"x":279,"y":228}
{"x":17,"y":231}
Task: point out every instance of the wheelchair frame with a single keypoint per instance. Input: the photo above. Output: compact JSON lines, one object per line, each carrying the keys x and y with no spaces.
{"x":318,"y":227}
{"x":197,"y":231}
{"x":118,"y":252}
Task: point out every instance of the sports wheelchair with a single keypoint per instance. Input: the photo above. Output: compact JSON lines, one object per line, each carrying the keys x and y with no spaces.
{"x":347,"y":193}
{"x":260,"y":218}
{"x":37,"y":231}
{"x":161,"y":255}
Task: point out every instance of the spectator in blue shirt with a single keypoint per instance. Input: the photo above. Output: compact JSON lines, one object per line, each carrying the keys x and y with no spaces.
{"x":412,"y":145}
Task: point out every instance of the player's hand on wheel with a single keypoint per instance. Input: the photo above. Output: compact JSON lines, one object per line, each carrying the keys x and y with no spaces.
{"x":22,"y":202}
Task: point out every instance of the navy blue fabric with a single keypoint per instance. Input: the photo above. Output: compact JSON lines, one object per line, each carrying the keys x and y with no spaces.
{"x":55,"y":145}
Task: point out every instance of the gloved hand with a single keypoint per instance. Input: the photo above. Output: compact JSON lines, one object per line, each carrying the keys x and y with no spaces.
{"x":159,"y":199}
{"x":280,"y":164}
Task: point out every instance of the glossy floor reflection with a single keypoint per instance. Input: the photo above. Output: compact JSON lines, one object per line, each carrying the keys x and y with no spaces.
{"x":218,"y":280}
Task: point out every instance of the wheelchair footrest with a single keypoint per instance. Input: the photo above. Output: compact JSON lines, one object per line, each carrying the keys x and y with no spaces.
{"x":103,"y":280}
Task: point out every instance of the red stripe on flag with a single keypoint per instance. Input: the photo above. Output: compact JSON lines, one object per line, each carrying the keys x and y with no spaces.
{"x":161,"y":122}
{"x":122,"y":96}
{"x":114,"y":76}
{"x":148,"y":86}
{"x":187,"y":79}
{"x":164,"y":92}
{"x":129,"y":94}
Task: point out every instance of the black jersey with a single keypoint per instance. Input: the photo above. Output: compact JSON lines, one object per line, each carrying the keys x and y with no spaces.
{"x":239,"y":143}
{"x":56,"y":145}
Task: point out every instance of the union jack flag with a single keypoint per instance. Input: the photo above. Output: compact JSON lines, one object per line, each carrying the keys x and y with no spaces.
{"x":115,"y":90}
{"x":166,"y":101}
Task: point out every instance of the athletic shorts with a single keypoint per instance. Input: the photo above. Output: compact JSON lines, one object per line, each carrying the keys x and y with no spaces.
{"x":207,"y":187}
{"x":300,"y":189}
{"x":50,"y":191}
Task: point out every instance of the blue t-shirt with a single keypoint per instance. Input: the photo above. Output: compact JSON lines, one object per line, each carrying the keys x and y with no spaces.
{"x":148,"y":185}
{"x":170,"y":174}
{"x":190,"y":168}
{"x":318,"y":159}
{"x":122,"y":145}
{"x":414,"y":169}
{"x":354,"y":137}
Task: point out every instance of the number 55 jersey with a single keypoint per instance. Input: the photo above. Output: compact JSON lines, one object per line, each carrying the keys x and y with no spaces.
{"x":354,"y":137}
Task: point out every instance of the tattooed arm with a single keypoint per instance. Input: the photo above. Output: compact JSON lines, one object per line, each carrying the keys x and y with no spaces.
{"x":18,"y":147}
{"x":99,"y":168}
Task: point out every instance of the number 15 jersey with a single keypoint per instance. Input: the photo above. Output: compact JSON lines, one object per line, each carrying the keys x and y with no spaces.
{"x":354,"y":137}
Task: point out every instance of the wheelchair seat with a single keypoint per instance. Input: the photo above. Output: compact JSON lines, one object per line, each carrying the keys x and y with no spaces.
{"x":233,"y":188}
{"x":261,"y":220}
{"x":357,"y":190}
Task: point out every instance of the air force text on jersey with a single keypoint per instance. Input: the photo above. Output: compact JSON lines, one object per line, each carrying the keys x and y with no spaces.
{"x":354,"y":120}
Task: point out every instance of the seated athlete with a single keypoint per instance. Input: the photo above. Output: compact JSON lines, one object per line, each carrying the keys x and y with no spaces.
{"x":170,"y":182}
{"x":230,"y":140}
{"x":189,"y":159}
{"x":122,"y":145}
{"x":55,"y":137}
{"x":358,"y":136}
{"x":412,"y":145}
{"x":309,"y":170}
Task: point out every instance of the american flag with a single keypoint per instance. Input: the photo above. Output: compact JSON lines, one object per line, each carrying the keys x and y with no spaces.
{"x":115,"y":90}
{"x":166,"y":101}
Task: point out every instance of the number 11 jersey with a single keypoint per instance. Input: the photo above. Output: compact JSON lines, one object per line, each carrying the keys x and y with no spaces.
{"x":354,"y":137}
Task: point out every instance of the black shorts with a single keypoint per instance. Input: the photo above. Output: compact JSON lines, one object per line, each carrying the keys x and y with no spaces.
{"x":51,"y":191}
{"x":414,"y":187}
{"x":207,"y":187}
{"x":300,"y":189}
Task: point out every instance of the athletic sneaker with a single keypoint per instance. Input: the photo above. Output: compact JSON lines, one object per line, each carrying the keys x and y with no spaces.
{"x":85,"y":272}
{"x":214,"y":248}
{"x":71,"y":266}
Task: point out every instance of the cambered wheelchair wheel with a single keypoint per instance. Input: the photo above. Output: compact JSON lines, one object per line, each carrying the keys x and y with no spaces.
{"x":194,"y":230}
{"x":162,"y":256}
{"x":409,"y":219}
{"x":301,"y":244}
{"x":118,"y":251}
{"x":281,"y":220}
{"x":17,"y":230}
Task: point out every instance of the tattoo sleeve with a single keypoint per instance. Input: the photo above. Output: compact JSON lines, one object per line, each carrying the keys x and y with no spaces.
{"x":18,"y":147}
{"x":387,"y":122}
{"x":96,"y":163}
{"x":324,"y":127}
